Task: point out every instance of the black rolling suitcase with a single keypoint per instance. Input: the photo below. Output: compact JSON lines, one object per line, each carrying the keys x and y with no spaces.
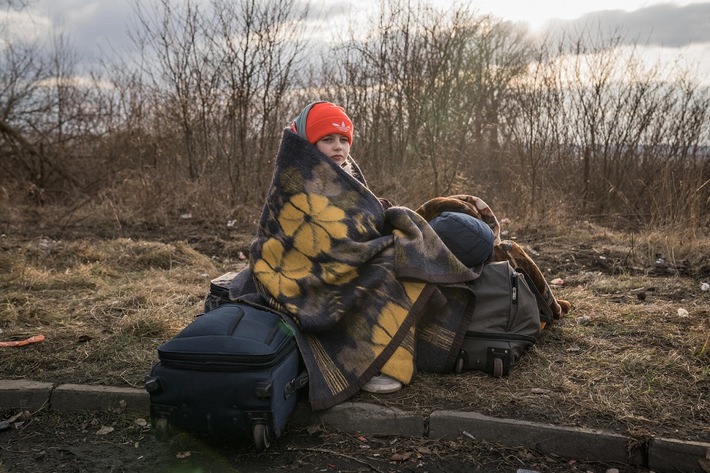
{"x":232,"y":372}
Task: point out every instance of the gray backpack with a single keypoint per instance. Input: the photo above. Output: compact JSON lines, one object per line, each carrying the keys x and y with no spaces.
{"x":506,"y":320}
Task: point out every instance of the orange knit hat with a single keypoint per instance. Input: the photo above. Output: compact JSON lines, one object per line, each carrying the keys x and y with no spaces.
{"x":321,"y":119}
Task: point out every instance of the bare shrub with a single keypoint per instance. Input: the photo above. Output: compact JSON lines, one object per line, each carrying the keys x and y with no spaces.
{"x":427,"y":89}
{"x":219,"y":88}
{"x":444,"y":101}
{"x":614,"y":136}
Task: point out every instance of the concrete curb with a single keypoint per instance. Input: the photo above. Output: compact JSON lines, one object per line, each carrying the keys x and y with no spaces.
{"x":660,"y":455}
{"x":570,"y":442}
{"x":74,"y":397}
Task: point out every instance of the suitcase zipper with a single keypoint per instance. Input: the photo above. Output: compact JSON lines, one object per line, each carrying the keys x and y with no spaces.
{"x":501,"y":336}
{"x":514,"y":301}
{"x":214,"y":362}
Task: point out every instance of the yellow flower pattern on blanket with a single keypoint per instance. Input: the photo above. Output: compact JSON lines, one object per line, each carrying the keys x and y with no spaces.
{"x":338,"y":273}
{"x":312,"y":222}
{"x":388,"y":322}
{"x":401,"y":364}
{"x":279,"y":270}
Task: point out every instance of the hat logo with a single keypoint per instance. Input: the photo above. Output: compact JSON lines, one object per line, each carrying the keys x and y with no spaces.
{"x":341,"y":127}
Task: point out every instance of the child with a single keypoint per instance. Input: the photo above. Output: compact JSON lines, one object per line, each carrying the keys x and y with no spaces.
{"x":329,"y":128}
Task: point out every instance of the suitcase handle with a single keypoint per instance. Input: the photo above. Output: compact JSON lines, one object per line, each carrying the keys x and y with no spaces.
{"x":295,"y":384}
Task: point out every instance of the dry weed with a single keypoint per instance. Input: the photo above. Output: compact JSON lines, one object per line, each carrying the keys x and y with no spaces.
{"x":102,"y":305}
{"x":631,"y":357}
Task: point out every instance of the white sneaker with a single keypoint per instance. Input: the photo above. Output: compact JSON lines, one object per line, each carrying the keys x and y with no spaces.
{"x":382,"y":384}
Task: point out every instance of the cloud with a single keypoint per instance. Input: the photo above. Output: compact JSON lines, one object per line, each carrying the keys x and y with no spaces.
{"x":99,"y":21}
{"x":665,"y":25}
{"x":320,"y":10}
{"x":90,"y":27}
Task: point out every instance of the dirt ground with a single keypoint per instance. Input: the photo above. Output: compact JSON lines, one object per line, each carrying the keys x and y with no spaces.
{"x":112,"y":442}
{"x":632,"y":357}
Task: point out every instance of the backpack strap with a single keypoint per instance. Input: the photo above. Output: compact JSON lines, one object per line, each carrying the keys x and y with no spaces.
{"x":546,"y":314}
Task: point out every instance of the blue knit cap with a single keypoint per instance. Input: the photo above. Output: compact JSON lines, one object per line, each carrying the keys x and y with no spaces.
{"x":469,"y":239}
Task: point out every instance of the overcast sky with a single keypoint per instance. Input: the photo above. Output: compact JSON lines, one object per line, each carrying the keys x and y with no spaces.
{"x":669,"y":28}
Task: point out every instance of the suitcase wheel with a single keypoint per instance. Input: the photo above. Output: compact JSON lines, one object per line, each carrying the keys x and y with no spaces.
{"x":162,"y":429}
{"x":262,"y":437}
{"x":497,"y":367}
{"x":459,"y":366}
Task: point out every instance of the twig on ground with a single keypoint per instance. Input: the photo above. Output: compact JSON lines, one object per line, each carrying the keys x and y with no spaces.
{"x":333,"y":452}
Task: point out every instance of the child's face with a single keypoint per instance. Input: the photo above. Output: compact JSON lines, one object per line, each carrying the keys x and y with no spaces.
{"x":335,"y":146}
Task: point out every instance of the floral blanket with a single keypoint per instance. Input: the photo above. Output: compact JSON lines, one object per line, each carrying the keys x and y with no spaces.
{"x":367,"y":290}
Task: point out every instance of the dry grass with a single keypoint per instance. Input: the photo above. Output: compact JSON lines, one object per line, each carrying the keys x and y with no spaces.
{"x":633,"y":356}
{"x":625,"y":359}
{"x":103,"y":305}
{"x":616,"y":363}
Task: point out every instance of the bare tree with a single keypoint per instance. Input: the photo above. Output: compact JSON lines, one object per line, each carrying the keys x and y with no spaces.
{"x":423,"y":86}
{"x":181,"y":71}
{"x":604,"y":129}
{"x":443,"y":101}
{"x":258,"y":45}
{"x":221,"y":76}
{"x":48,"y":120}
{"x":21,"y":70}
{"x":535,"y":133}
